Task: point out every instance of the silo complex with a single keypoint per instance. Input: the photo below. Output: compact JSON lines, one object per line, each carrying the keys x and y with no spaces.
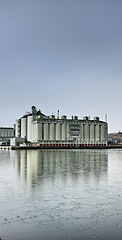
{"x":43,"y":130}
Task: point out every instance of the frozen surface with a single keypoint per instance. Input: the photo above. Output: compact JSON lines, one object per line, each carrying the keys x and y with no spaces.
{"x":61,"y":194}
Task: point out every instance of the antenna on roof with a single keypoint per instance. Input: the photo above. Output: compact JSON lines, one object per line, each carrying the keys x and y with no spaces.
{"x":106,"y":118}
{"x":58,"y":114}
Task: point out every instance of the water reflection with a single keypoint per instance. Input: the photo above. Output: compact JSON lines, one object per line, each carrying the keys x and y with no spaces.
{"x":36,"y":166}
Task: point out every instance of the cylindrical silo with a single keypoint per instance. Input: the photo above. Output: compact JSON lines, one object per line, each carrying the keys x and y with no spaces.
{"x":81,"y":131}
{"x":64,"y":131}
{"x":29,"y":128}
{"x":86,"y":132}
{"x":57,"y":131}
{"x":52,"y":131}
{"x":24,"y":127}
{"x":46,"y":131}
{"x":40,"y":130}
{"x":6,"y":132}
{"x":18,"y":128}
{"x":97,"y":132}
{"x":102,"y":132}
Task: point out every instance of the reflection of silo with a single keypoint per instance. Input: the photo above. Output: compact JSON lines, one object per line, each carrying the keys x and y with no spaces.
{"x":18,"y":128}
{"x":32,"y":166}
{"x":29,"y":131}
{"x":17,"y":162}
{"x":23,"y":127}
{"x":23,"y":164}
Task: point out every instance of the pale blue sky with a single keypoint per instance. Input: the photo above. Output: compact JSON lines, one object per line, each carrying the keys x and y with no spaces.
{"x":61,"y":54}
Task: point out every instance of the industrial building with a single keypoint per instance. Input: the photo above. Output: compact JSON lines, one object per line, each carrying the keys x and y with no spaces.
{"x":50,"y":131}
{"x":6,"y":133}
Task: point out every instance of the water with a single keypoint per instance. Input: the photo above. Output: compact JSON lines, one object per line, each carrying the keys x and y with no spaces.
{"x":61,"y":194}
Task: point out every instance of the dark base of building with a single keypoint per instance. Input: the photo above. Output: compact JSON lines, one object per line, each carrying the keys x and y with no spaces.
{"x":65,"y":147}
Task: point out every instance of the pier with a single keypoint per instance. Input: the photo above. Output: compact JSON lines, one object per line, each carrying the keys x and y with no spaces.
{"x":6,"y":147}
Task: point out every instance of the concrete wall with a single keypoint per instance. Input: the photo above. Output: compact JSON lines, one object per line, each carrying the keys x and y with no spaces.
{"x":87,"y":132}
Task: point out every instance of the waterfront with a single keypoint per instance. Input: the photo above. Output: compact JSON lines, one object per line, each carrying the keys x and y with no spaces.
{"x":61,"y":194}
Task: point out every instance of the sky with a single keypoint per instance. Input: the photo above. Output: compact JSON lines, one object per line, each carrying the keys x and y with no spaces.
{"x":61,"y":55}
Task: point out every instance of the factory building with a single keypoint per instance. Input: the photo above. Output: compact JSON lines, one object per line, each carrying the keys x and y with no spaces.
{"x":37,"y":128}
{"x":6,"y":133}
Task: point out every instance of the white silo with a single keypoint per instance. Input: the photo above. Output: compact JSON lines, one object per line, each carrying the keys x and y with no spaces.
{"x":24,"y":127}
{"x":29,"y":128}
{"x":17,"y":128}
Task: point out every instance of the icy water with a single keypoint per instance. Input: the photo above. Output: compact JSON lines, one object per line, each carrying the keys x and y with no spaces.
{"x":61,"y":194}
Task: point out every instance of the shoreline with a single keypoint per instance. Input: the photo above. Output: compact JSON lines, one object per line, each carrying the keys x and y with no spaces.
{"x":58,"y":148}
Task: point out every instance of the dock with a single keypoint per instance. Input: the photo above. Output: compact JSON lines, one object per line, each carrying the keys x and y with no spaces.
{"x":56,"y":147}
